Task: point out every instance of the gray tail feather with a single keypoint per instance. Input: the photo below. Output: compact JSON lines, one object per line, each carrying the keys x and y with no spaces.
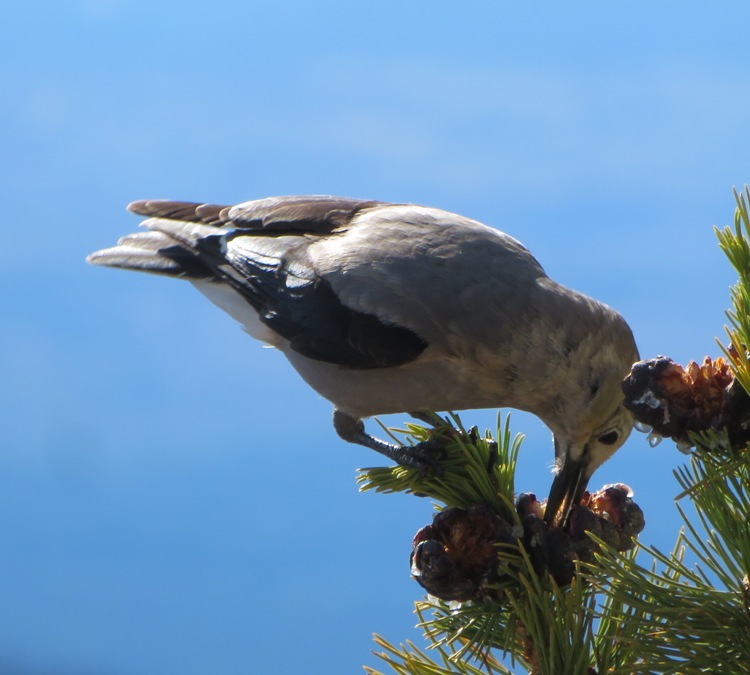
{"x":153,"y":252}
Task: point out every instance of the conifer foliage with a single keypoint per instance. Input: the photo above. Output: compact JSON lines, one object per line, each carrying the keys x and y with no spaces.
{"x":506,"y":605}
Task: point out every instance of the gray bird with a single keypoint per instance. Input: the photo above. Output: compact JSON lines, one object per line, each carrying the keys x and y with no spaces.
{"x":386,"y":308}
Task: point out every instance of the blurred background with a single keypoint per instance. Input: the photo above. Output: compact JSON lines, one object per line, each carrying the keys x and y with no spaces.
{"x":173,"y":499}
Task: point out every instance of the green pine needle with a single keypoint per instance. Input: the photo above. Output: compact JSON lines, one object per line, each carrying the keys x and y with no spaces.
{"x":736,"y":246}
{"x":474,"y":469}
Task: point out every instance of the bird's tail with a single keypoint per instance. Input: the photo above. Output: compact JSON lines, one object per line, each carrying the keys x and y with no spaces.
{"x":171,"y":244}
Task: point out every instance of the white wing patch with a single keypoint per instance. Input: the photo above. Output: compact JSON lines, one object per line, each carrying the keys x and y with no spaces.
{"x":226,"y":298}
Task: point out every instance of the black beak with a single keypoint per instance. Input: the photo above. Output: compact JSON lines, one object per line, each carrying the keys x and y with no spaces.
{"x":567,"y":490}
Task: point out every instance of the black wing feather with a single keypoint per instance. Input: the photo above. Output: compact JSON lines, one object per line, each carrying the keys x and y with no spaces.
{"x":303,"y":309}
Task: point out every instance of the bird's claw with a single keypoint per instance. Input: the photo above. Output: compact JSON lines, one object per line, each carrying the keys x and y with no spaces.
{"x":424,"y":456}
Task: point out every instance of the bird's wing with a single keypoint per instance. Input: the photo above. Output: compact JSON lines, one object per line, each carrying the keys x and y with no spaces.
{"x":260,"y":250}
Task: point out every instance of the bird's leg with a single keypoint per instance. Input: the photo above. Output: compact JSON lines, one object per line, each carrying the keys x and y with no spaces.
{"x":420,"y":456}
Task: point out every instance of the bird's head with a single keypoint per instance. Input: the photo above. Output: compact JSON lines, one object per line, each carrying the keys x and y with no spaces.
{"x":593,"y":428}
{"x":576,"y":459}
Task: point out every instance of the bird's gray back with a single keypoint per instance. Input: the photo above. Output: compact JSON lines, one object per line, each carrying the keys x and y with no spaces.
{"x":441,"y":275}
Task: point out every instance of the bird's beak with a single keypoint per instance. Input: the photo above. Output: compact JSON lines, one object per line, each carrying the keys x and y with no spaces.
{"x":567,"y":489}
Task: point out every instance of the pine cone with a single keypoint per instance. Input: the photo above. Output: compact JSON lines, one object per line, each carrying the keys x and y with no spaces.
{"x":675,"y":401}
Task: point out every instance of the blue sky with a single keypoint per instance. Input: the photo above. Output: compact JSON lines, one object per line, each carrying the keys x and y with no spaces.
{"x":173,"y":499}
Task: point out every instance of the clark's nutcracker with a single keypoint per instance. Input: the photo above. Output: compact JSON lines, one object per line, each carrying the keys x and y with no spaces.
{"x":386,"y":308}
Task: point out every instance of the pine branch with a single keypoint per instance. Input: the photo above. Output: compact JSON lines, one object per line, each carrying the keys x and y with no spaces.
{"x":684,"y":612}
{"x":516,"y":607}
{"x":696,"y":618}
{"x":475,"y":470}
{"x":736,"y":247}
{"x":679,"y":621}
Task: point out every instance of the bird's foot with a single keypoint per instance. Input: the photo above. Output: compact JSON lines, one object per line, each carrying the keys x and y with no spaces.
{"x":423,"y":456}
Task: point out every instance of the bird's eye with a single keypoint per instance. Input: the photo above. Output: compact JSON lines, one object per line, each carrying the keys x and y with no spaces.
{"x":610,"y":438}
